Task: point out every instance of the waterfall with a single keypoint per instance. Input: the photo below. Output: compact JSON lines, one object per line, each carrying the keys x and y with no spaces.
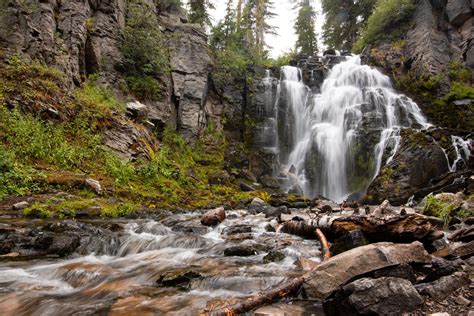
{"x":334,"y":143}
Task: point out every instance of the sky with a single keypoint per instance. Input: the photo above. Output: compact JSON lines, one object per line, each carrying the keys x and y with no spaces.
{"x":285,"y":18}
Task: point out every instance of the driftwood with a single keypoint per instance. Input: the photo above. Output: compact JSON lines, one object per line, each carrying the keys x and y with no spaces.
{"x":284,"y":289}
{"x":324,"y":244}
{"x":217,"y":308}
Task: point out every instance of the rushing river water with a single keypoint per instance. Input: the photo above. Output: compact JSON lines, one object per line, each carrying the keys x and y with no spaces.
{"x":170,"y":266}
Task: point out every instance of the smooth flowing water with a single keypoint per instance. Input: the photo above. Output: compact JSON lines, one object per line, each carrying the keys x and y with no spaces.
{"x":335,"y":142}
{"x":171,"y":266}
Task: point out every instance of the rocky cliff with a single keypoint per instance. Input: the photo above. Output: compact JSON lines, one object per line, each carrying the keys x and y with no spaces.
{"x":81,"y":38}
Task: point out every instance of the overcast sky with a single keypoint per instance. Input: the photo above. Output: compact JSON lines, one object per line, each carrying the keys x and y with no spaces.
{"x":284,"y":20}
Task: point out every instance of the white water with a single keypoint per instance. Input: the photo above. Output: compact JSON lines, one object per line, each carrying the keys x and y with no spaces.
{"x":327,"y":132}
{"x":462,"y":149}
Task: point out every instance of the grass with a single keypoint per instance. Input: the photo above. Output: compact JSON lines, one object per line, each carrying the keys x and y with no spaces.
{"x":34,"y":148}
{"x":438,"y":208}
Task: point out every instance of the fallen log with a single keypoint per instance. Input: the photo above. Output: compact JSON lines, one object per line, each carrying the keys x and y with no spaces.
{"x":218,"y":308}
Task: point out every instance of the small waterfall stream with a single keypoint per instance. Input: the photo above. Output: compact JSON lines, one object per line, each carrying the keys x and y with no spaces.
{"x":334,"y":143}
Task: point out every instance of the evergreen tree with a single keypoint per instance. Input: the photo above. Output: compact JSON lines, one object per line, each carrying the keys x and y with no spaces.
{"x":254,"y":25}
{"x":199,"y":11}
{"x":344,"y":21}
{"x":305,"y":26}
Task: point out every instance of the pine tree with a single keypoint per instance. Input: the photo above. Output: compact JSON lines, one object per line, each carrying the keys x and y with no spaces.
{"x":344,"y":21}
{"x":305,"y":28}
{"x":199,"y":12}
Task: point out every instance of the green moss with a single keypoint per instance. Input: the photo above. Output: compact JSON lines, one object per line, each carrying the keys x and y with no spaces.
{"x":38,"y":211}
{"x":459,"y":73}
{"x":118,"y":210}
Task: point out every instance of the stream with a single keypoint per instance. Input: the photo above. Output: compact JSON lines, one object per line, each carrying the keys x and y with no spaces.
{"x":172,"y":266}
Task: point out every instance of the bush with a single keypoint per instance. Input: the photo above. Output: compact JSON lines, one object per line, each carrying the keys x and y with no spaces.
{"x":387,"y":15}
{"x":142,"y":42}
{"x":438,"y":208}
{"x":145,"y":87}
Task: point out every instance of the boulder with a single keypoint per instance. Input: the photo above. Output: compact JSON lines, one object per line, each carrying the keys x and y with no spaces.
{"x":338,"y":270}
{"x":240,"y":251}
{"x":462,"y":250}
{"x":213,"y":217}
{"x":259,"y":206}
{"x":383,"y":296}
{"x":238,"y":229}
{"x":273,"y":256}
{"x":445,"y":286}
{"x":137,"y":110}
{"x":458,"y":11}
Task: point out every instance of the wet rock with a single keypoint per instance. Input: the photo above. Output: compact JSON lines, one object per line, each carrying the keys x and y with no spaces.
{"x":20,"y":205}
{"x":259,"y":206}
{"x":213,"y":217}
{"x":240,"y":251}
{"x":338,"y":270}
{"x":383,"y":296}
{"x":443,"y":287}
{"x":273,"y":256}
{"x":238,"y":229}
{"x":276,"y":211}
{"x":178,"y":278}
{"x":192,"y":230}
{"x":270,"y":228}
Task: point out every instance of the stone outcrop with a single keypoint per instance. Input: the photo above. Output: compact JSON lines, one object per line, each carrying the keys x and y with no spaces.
{"x":383,"y":296}
{"x":338,"y":270}
{"x":81,"y":38}
{"x":417,"y":163}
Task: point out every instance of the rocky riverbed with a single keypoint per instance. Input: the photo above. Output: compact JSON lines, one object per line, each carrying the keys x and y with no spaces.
{"x":172,"y":263}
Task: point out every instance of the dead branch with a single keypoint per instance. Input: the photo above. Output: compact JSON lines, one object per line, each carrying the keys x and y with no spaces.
{"x":324,"y":244}
{"x":247,"y":304}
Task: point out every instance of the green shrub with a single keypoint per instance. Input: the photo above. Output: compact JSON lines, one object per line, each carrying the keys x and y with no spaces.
{"x":387,"y":15}
{"x":144,"y":87}
{"x":142,"y":42}
{"x":459,"y":73}
{"x":121,"y":171}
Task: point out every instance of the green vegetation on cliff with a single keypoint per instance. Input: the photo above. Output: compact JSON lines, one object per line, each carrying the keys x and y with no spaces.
{"x":387,"y":15}
{"x":39,"y":151}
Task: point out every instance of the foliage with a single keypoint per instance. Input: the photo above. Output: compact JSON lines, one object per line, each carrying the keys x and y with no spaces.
{"x":144,"y":87}
{"x":387,"y":15}
{"x":31,"y":139}
{"x":198,"y":11}
{"x":143,"y":47}
{"x":438,"y":208}
{"x":305,"y":28}
{"x":459,"y":73}
{"x":118,"y":210}
{"x":97,"y":99}
{"x":344,"y":20}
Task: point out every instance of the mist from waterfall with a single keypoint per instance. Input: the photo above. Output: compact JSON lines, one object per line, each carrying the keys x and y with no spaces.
{"x":334,"y":143}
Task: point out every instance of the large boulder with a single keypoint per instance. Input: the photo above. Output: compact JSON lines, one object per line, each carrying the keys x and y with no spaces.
{"x":340,"y":269}
{"x":418,"y":162}
{"x":383,"y":296}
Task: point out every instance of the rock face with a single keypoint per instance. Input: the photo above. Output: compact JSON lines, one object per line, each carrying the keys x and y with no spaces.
{"x":415,"y":166}
{"x":83,"y":38}
{"x":338,"y":270}
{"x":383,"y":296}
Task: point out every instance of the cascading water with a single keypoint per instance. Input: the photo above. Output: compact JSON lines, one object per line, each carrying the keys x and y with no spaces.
{"x":334,"y":143}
